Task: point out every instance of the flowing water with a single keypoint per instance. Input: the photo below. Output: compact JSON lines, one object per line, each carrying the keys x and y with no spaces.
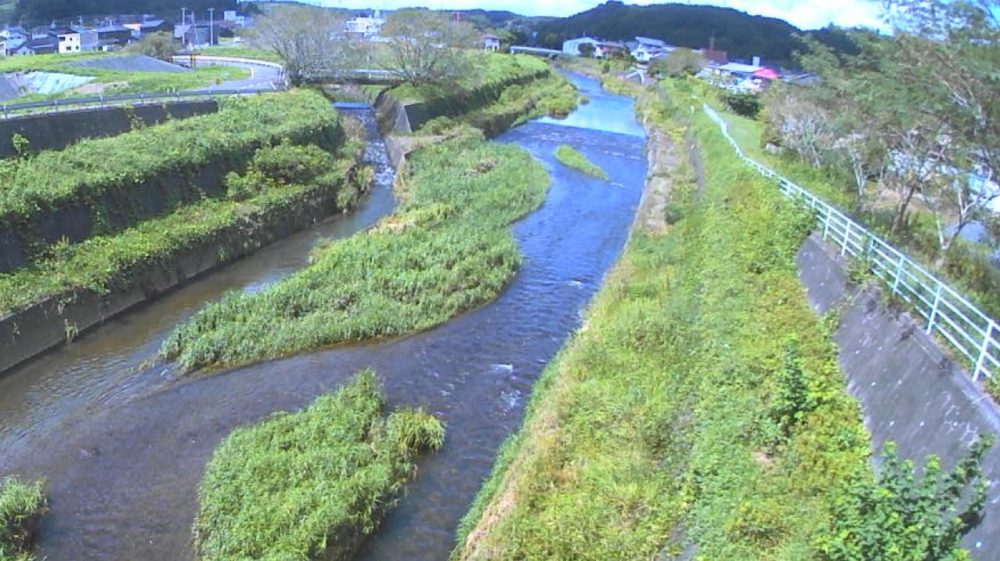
{"x":123,"y":453}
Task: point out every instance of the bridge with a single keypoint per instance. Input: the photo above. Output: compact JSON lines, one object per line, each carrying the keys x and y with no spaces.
{"x":536,"y":51}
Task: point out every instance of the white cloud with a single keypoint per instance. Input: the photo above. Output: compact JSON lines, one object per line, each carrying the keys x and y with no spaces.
{"x":805,"y":14}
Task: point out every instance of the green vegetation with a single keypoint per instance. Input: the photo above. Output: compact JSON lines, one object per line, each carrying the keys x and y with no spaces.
{"x":570,"y":157}
{"x":491,"y":70}
{"x":110,"y":81}
{"x":899,"y":516}
{"x":21,"y":505}
{"x":279,"y":180}
{"x":701,"y":399}
{"x":241,"y":51}
{"x":311,"y":484}
{"x":447,"y":249}
{"x":119,"y":180}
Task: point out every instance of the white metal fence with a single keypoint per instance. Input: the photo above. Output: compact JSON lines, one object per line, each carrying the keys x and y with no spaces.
{"x":961,"y":324}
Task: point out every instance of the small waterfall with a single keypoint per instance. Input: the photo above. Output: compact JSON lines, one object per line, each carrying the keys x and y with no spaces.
{"x":376,"y":153}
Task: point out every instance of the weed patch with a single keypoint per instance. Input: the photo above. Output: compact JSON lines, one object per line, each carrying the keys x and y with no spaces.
{"x":446,"y":250}
{"x":311,"y":484}
{"x":570,"y":157}
{"x":21,"y":505}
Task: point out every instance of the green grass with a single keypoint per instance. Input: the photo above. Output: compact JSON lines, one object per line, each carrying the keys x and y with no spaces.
{"x":447,"y":249}
{"x":701,"y":402}
{"x":20,"y":507}
{"x":105,"y":262}
{"x":571,"y":157}
{"x":311,"y":484}
{"x":111,"y":178}
{"x":969,"y":266}
{"x":241,"y":51}
{"x":115,"y":81}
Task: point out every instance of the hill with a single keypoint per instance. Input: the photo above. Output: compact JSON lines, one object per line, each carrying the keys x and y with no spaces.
{"x":741,"y":35}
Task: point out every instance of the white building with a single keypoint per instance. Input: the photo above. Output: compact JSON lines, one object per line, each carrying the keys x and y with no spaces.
{"x":572,"y":47}
{"x":367,"y":26}
{"x":491,"y":43}
{"x":648,"y":48}
{"x":69,"y":41}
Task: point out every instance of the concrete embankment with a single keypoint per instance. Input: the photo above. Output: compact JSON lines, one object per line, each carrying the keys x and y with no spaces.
{"x":910,"y":391}
{"x":55,"y":131}
{"x":57,"y":319}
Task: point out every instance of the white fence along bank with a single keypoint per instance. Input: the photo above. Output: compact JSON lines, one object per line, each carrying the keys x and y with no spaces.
{"x":969,"y":331}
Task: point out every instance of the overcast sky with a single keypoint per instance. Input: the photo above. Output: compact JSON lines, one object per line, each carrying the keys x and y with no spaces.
{"x":805,"y":14}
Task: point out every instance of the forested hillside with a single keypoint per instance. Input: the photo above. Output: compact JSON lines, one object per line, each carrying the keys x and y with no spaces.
{"x":741,"y":35}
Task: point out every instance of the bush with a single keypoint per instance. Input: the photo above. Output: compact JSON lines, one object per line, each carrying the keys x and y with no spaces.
{"x":20,"y":507}
{"x":745,"y":104}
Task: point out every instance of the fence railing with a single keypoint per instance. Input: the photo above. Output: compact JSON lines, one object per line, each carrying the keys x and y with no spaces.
{"x":10,"y":110}
{"x":965,"y":328}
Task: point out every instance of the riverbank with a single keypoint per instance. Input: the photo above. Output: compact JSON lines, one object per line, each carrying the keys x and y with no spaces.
{"x":76,"y":287}
{"x":21,"y":507}
{"x":699,"y":408}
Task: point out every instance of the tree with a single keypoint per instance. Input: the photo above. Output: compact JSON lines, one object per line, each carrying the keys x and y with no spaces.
{"x":159,"y":45}
{"x":680,"y":62}
{"x":310,"y":41}
{"x":427,"y":47}
{"x":587,"y":50}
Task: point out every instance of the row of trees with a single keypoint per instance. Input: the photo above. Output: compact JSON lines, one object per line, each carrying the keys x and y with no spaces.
{"x":422,"y":47}
{"x":914,"y":116}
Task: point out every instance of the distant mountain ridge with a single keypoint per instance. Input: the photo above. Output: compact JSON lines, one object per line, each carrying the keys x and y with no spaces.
{"x":35,"y":12}
{"x":741,"y":35}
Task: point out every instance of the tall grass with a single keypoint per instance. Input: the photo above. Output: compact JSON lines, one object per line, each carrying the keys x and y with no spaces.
{"x":21,"y":505}
{"x":700,"y":404}
{"x":311,"y":484}
{"x":571,"y":157}
{"x":446,"y":250}
{"x":279,"y":181}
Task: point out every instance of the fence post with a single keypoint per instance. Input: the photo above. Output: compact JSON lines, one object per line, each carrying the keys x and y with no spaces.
{"x":934,"y":308}
{"x":826,"y":223}
{"x":984,"y":350}
{"x":899,"y":275}
{"x":847,"y":238}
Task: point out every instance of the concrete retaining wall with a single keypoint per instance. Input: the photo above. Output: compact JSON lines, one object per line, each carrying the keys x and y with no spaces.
{"x":910,"y":391}
{"x":49,"y":323}
{"x":55,"y":131}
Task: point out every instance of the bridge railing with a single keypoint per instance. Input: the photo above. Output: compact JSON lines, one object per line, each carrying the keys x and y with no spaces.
{"x":965,"y":328}
{"x":10,"y":110}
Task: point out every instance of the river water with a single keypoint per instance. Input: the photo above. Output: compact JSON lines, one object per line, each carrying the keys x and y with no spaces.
{"x":123,"y":451}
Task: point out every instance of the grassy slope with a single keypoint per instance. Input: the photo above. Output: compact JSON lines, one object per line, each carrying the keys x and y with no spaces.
{"x":20,"y":506}
{"x":311,"y":484}
{"x":447,"y":249}
{"x":103,"y":261}
{"x":969,"y":266}
{"x":116,"y":81}
{"x":668,"y":414}
{"x":571,"y":157}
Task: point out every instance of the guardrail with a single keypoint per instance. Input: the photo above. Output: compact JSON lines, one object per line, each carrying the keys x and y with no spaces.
{"x":961,"y":324}
{"x":68,"y":104}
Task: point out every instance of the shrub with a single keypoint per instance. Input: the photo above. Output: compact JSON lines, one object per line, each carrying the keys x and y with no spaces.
{"x":745,"y":104}
{"x":20,"y":507}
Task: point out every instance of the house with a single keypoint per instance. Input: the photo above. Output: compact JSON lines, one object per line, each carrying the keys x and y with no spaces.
{"x":38,"y":46}
{"x":647,"y":49}
{"x":149,"y":26}
{"x":197,"y":35}
{"x":366,"y":26}
{"x":572,"y":47}
{"x":68,"y":40}
{"x":607,"y":49}
{"x":491,"y":42}
{"x":89,"y":41}
{"x":739,"y":70}
{"x":234,"y":18}
{"x":14,"y":37}
{"x":3,"y":47}
{"x":112,"y":36}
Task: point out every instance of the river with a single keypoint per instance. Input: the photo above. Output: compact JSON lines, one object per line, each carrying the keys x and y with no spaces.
{"x":123,"y":449}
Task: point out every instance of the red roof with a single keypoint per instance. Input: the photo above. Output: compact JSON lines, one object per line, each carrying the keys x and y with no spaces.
{"x":766,"y":74}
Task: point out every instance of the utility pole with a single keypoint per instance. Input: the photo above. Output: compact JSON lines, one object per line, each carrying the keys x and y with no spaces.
{"x":211,"y":27}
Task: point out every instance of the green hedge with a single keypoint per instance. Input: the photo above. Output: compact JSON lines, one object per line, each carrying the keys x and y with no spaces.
{"x":103,"y":186}
{"x":311,"y":484}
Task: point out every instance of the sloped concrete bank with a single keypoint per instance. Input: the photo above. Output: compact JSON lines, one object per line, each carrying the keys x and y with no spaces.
{"x":55,"y":131}
{"x":910,"y":391}
{"x":55,"y":320}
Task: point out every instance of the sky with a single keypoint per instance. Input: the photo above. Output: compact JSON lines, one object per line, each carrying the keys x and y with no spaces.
{"x":805,"y":14}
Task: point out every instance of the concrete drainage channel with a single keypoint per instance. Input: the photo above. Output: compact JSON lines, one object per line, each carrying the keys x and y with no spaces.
{"x":910,"y":391}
